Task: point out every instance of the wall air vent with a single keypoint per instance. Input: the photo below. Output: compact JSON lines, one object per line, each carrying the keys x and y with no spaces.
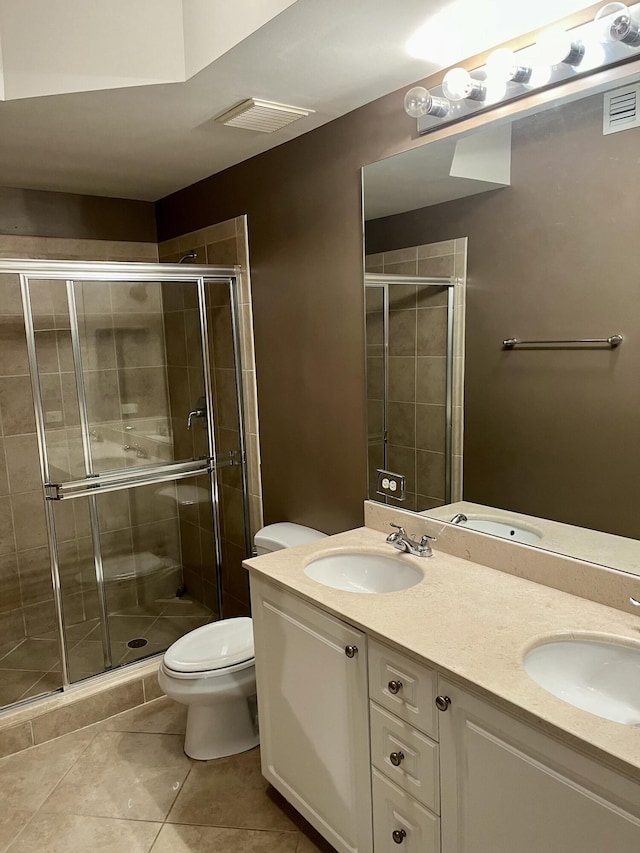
{"x":621,"y":109}
{"x":262,"y":116}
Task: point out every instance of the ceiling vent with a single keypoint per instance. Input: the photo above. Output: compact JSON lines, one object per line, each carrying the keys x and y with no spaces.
{"x":621,"y":109}
{"x":262,"y":116}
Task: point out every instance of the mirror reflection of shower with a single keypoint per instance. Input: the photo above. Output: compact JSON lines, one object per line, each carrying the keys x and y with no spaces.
{"x":412,"y":384}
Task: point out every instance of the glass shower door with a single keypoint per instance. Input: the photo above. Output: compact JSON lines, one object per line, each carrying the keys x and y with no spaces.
{"x":128,"y":450}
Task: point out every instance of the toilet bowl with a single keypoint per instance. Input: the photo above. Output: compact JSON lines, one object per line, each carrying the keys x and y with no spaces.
{"x":212,"y":670}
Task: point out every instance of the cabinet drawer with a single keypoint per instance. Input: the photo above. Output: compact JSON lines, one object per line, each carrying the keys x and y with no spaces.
{"x":417,"y":767}
{"x":414,"y":701}
{"x":395,"y":811}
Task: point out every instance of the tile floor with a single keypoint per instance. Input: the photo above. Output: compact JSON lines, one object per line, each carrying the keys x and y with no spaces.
{"x":125,"y":786}
{"x":31,"y":666}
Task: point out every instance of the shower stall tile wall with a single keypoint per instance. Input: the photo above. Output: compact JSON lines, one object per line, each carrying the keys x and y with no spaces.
{"x":226,"y":243}
{"x":407,"y":371}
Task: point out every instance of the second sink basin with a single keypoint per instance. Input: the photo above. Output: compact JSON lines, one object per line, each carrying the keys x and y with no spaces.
{"x":594,"y":675}
{"x":369,"y":573}
{"x":505,"y":531}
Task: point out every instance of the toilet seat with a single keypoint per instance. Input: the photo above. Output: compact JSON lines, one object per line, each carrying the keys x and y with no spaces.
{"x":217,"y":648}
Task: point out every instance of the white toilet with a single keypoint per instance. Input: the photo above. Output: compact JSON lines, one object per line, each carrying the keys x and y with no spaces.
{"x":212,"y":669}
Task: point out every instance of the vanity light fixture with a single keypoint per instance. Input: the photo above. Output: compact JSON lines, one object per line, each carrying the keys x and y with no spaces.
{"x":503,"y":66}
{"x":556,"y":47}
{"x":617,"y":24}
{"x":420,"y":102}
{"x":459,"y":85}
{"x":613,"y":37}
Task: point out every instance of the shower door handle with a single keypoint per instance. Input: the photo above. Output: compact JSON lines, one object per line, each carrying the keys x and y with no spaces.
{"x":196,"y":413}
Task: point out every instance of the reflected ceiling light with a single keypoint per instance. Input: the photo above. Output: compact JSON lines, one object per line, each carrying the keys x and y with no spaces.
{"x":420,"y":102}
{"x":502,"y":66}
{"x":459,"y":85}
{"x":556,"y":47}
{"x":617,"y":25}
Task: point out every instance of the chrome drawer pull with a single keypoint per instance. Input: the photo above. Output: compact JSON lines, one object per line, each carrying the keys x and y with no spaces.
{"x":351,"y":651}
{"x":398,"y":835}
{"x":394,"y":687}
{"x":396,"y":758}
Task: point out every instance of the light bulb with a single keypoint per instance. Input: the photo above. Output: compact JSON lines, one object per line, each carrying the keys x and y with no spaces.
{"x":458,"y":84}
{"x":555,"y":47}
{"x":420,"y":102}
{"x":616,"y":24}
{"x":502,"y":65}
{"x":540,"y":76}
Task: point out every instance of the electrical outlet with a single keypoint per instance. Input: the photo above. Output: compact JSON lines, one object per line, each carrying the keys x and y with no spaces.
{"x":391,"y":485}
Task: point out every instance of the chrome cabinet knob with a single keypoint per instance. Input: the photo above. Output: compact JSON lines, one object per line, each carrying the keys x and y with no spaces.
{"x":394,"y":687}
{"x":398,"y":835}
{"x":351,"y":651}
{"x":442,"y":703}
{"x":396,"y":758}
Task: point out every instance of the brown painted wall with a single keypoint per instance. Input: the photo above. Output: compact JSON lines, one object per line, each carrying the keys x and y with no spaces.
{"x":33,"y":213}
{"x":550,"y":433}
{"x":303,"y":201}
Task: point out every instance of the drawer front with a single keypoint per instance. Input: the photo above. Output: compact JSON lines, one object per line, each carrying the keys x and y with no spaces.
{"x":416,"y":829}
{"x":404,"y":687}
{"x":406,"y":756}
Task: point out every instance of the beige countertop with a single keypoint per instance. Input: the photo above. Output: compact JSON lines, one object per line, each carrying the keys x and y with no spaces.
{"x":474,"y":623}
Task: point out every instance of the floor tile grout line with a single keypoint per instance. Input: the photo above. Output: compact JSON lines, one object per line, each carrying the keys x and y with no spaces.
{"x":39,"y":809}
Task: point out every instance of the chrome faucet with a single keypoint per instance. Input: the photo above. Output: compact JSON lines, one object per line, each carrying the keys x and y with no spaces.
{"x":459,"y":518}
{"x":402,"y":542}
{"x":634,"y":601}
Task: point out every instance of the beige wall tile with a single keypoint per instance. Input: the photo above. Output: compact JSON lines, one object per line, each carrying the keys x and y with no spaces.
{"x":7,"y":541}
{"x":23,"y":464}
{"x":86,"y":711}
{"x":10,"y":299}
{"x":432,"y":250}
{"x":15,"y":739}
{"x":151,"y":687}
{"x":16,"y":406}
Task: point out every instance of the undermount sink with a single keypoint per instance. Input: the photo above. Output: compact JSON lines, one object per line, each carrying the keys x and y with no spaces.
{"x":500,"y":528}
{"x":368,"y":573}
{"x":595,"y":675}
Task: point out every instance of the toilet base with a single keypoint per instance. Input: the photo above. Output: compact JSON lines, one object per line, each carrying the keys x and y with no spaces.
{"x":215,"y":731}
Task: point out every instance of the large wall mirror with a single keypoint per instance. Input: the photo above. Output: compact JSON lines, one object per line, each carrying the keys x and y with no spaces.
{"x":524,"y":228}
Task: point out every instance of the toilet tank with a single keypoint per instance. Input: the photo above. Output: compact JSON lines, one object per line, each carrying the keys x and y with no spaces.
{"x":284,"y":534}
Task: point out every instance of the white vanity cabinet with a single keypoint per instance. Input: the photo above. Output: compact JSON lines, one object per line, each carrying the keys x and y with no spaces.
{"x":311,"y":673}
{"x":509,"y":788}
{"x":381,"y":754}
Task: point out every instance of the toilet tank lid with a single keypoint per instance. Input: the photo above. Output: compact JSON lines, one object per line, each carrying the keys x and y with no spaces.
{"x":285,"y":534}
{"x":213,"y":646}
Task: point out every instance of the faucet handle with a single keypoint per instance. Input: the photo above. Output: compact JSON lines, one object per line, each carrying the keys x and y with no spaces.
{"x":399,"y":534}
{"x":634,"y":601}
{"x":425,"y":539}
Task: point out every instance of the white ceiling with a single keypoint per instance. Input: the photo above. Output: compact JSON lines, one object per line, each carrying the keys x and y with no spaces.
{"x":330,"y":56}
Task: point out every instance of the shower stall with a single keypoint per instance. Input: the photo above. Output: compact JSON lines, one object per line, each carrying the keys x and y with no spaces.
{"x":410,"y":385}
{"x":123,"y":482}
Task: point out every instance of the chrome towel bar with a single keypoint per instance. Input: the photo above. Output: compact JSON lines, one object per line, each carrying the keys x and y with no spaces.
{"x":612,"y":341}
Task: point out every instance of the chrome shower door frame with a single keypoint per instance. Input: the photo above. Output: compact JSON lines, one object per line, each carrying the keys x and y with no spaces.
{"x":72,"y":271}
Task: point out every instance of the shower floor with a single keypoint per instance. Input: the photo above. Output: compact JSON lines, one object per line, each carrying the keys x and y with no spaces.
{"x":31,"y":667}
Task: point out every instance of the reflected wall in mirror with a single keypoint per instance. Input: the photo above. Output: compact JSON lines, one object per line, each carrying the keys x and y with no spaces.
{"x":550,"y":209}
